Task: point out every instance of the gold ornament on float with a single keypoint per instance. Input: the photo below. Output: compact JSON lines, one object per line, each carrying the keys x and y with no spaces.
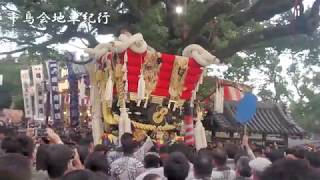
{"x":178,"y":76}
{"x":151,"y":68}
{"x":159,"y":116}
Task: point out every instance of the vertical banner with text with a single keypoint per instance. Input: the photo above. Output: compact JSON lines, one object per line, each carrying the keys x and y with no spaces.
{"x":39,"y":92}
{"x":55,"y":105}
{"x":26,"y":92}
{"x":74,"y":96}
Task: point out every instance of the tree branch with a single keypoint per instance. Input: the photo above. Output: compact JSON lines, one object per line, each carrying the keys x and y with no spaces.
{"x":314,"y":16}
{"x":302,"y":25}
{"x":18,"y":41}
{"x":91,"y":39}
{"x":214,"y":9}
{"x":262,"y":10}
{"x":138,"y":8}
{"x":8,"y":9}
{"x":14,"y":51}
{"x":9,"y":39}
{"x":134,"y":8}
{"x":38,"y":46}
{"x":24,"y":26}
{"x":171,"y":18}
{"x":59,"y":38}
{"x":109,"y":28}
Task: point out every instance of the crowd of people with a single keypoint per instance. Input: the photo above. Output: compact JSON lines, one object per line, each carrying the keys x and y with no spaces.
{"x":25,"y":157}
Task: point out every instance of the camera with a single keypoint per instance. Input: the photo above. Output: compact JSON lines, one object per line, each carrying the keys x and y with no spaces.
{"x":41,"y":131}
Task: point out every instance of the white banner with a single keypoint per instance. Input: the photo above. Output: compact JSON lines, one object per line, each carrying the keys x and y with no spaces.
{"x":26,"y":92}
{"x":39,"y":93}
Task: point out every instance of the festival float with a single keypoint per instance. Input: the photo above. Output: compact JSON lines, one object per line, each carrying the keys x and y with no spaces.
{"x":130,"y":87}
{"x":134,"y":85}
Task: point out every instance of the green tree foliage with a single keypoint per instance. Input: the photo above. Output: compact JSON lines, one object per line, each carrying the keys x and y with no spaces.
{"x":249,"y":36}
{"x":10,"y":91}
{"x":297,"y":84}
{"x":223,"y":26}
{"x":11,"y":84}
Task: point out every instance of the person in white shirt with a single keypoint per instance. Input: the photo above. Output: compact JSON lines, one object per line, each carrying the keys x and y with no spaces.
{"x":127,"y":167}
{"x":152,"y":177}
{"x":188,"y":152}
{"x":203,"y":166}
{"x":139,"y":154}
{"x":222,"y":171}
{"x":176,"y":166}
{"x":257,"y":166}
{"x":151,"y":164}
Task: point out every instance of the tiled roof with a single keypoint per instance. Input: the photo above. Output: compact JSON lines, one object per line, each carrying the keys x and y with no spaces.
{"x":270,"y":118}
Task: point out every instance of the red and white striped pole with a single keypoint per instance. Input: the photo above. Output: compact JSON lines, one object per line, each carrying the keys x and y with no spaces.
{"x":188,"y":125}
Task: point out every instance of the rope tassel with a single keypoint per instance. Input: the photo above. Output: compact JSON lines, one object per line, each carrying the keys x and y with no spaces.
{"x":125,"y":75}
{"x":124,"y":122}
{"x":200,"y":136}
{"x":141,"y":89}
{"x":199,"y":132}
{"x":109,"y":91}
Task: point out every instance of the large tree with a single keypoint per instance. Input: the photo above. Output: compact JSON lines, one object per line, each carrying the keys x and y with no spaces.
{"x":225,"y":27}
{"x":261,"y":30}
{"x":293,"y":79}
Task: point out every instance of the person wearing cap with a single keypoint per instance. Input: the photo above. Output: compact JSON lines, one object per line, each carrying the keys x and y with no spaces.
{"x":258,"y":166}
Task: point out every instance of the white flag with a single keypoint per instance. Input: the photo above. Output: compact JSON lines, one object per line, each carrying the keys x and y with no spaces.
{"x":26,"y":92}
{"x":39,"y":93}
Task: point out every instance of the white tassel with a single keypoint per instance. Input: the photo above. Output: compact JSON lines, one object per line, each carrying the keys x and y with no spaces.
{"x":169,"y":105}
{"x":121,"y":127}
{"x":194,"y":92}
{"x":82,"y":89}
{"x":175,"y":106}
{"x":193,"y":97}
{"x":221,"y":99}
{"x":125,"y":58}
{"x":101,"y":94}
{"x":126,"y":91}
{"x":146,"y":102}
{"x":97,"y":126}
{"x":109,"y":91}
{"x":141,"y":89}
{"x":218,"y":100}
{"x":124,"y":67}
{"x":201,"y":77}
{"x":200,"y":134}
{"x":124,"y":122}
{"x":125,"y":76}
